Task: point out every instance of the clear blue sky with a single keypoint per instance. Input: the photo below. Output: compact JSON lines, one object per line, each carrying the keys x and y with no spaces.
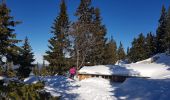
{"x":124,"y":19}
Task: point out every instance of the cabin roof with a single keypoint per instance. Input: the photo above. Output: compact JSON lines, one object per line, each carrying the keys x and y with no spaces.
{"x":107,"y":70}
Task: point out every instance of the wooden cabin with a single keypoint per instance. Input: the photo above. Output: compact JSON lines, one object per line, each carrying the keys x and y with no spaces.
{"x":114,"y":78}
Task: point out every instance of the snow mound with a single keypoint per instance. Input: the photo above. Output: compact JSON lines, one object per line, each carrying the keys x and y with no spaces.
{"x":107,"y":70}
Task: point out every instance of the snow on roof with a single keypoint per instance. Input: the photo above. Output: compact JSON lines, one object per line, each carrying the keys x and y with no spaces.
{"x":107,"y":70}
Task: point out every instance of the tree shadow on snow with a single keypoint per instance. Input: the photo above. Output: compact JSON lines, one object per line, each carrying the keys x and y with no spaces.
{"x":62,"y":86}
{"x":163,"y":59}
{"x":122,"y":71}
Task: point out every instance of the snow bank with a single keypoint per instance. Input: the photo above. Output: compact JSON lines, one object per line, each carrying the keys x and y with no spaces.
{"x":107,"y":70}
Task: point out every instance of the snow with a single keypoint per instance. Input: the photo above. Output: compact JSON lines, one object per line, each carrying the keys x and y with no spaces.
{"x":144,"y":89}
{"x":102,"y":89}
{"x":154,"y":88}
{"x":2,"y":77}
{"x":107,"y":70}
{"x":122,"y":62}
{"x":156,"y":67}
{"x":89,"y":89}
{"x":31,"y":79}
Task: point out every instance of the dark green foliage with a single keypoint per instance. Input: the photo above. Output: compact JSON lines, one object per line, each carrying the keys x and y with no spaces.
{"x":128,"y":53}
{"x":167,"y":38}
{"x":83,"y":34}
{"x":138,"y":51}
{"x":8,"y":39}
{"x":26,"y":59}
{"x":99,"y":32}
{"x":121,"y":53}
{"x":110,"y":52}
{"x":89,"y":36}
{"x":19,"y":91}
{"x":161,"y":32}
{"x":36,"y":70}
{"x":150,"y":45}
{"x":59,"y":43}
{"x":84,"y":12}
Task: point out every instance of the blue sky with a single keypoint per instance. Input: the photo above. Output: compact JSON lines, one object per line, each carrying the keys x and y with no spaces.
{"x":124,"y":19}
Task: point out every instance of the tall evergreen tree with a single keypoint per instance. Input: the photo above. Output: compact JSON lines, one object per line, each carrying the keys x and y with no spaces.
{"x":26,"y":59}
{"x":59,"y":43}
{"x":110,"y":55}
{"x":161,"y":31}
{"x":120,"y":52}
{"x":138,"y":51}
{"x":168,"y":31}
{"x":99,"y":32}
{"x":150,"y":45}
{"x":83,"y":33}
{"x":8,"y":39}
{"x":128,"y":53}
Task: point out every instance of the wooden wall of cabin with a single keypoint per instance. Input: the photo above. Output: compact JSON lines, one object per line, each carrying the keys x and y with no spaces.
{"x":111,"y":78}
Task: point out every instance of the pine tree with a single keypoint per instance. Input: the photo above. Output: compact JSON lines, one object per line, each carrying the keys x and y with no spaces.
{"x":138,"y":51}
{"x":99,"y":32}
{"x":8,"y":39}
{"x":128,"y":53}
{"x":59,"y":43}
{"x":128,"y":50}
{"x":26,"y":59}
{"x":150,"y":45}
{"x":83,"y":33}
{"x":121,"y":53}
{"x":110,"y":54}
{"x":161,"y":31}
{"x":168,"y":31}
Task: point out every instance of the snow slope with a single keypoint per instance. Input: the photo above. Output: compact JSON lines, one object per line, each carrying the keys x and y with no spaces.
{"x":156,"y":67}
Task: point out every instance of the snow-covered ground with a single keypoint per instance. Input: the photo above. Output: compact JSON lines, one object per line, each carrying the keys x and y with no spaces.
{"x":157,"y":87}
